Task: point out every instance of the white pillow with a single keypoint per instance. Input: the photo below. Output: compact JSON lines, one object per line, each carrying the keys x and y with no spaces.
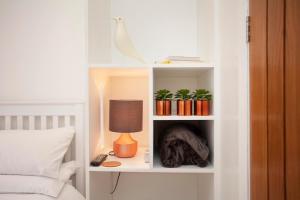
{"x":67,"y":170}
{"x":34,"y":152}
{"x":37,"y":184}
{"x":30,"y":185}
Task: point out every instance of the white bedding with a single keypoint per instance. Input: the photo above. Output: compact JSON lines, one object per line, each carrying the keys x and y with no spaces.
{"x":43,"y":149}
{"x":68,"y":193}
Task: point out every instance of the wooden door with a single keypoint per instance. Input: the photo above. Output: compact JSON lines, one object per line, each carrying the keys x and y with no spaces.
{"x":274,"y":92}
{"x":292,"y":99}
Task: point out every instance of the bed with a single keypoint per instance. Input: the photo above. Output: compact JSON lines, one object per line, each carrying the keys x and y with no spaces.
{"x":68,"y":192}
{"x":26,"y":120}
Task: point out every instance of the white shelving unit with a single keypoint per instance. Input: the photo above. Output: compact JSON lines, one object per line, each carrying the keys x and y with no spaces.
{"x":140,"y":82}
{"x":155,"y":32}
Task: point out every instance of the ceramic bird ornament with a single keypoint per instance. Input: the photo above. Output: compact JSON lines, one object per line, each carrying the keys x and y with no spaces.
{"x":123,"y":41}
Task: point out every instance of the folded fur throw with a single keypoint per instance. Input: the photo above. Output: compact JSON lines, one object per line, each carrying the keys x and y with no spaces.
{"x":180,"y":145}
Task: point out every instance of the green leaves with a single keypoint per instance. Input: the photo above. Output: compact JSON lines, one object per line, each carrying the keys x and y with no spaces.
{"x":202,"y":94}
{"x":163,"y":94}
{"x":183,"y":94}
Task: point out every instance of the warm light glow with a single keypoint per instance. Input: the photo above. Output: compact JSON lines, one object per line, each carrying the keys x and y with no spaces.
{"x":101,"y":108}
{"x":113,"y":82}
{"x":126,"y":138}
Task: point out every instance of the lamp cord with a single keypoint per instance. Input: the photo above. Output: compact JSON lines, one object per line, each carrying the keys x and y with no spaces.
{"x":116,"y":185}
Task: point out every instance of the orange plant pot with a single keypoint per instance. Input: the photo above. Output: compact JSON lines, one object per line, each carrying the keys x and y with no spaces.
{"x":167,"y":107}
{"x":188,"y":107}
{"x":159,"y":107}
{"x":197,"y":107}
{"x":180,"y":107}
{"x":205,"y":107}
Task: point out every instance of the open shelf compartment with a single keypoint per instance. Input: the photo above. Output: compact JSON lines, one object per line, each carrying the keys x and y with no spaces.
{"x":175,"y":78}
{"x":117,"y":83}
{"x":205,"y":130}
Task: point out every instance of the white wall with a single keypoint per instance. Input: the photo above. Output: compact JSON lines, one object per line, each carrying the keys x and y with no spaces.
{"x":157,"y":28}
{"x":231,"y":51}
{"x":99,"y":24}
{"x":42,"y":45}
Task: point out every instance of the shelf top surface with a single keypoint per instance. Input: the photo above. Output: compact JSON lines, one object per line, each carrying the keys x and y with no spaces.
{"x":173,"y":65}
{"x":157,"y":167}
{"x":137,"y":164}
{"x":185,"y":65}
{"x":176,"y":117}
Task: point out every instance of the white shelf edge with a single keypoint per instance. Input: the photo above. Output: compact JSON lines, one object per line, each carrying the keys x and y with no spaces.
{"x":185,"y":170}
{"x":142,"y":65}
{"x":155,"y":168}
{"x":117,"y":65}
{"x":185,"y":65}
{"x":158,"y":169}
{"x":119,"y":169}
{"x":176,"y":117}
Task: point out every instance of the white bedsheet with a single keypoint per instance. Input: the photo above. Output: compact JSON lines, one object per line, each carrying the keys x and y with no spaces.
{"x":68,"y":193}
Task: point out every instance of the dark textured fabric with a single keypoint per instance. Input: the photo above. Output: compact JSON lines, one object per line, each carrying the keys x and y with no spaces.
{"x":180,"y":145}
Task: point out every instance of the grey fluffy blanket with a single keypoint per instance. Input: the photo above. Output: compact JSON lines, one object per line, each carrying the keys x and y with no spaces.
{"x":181,"y":146}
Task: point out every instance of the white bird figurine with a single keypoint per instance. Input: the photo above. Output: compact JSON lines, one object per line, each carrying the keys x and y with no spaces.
{"x":123,"y":41}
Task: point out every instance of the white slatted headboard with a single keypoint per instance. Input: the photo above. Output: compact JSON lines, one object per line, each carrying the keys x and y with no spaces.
{"x":40,"y":115}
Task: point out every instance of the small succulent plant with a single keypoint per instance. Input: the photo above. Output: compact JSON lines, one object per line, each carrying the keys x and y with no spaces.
{"x":183,"y":94}
{"x":163,"y":94}
{"x":202,"y":94}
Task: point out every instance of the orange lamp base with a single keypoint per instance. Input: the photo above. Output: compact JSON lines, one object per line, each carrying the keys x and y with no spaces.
{"x":125,"y":146}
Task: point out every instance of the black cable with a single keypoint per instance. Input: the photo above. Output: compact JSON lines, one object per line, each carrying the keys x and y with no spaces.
{"x":116,"y":185}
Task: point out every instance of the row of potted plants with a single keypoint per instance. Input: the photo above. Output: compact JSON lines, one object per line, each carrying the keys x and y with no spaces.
{"x":185,"y":99}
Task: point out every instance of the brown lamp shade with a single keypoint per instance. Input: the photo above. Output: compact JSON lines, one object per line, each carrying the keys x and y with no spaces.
{"x":125,"y":116}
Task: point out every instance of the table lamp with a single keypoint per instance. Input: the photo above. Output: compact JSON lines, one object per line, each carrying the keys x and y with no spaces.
{"x":125,"y":117}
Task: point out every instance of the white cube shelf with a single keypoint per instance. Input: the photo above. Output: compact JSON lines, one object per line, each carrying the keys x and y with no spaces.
{"x":141,"y":82}
{"x":113,"y":81}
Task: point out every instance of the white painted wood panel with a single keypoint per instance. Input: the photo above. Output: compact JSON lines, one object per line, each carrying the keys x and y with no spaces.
{"x":19,"y":122}
{"x":43,"y":122}
{"x":31,"y":122}
{"x":159,"y":186}
{"x":67,"y":121}
{"x":54,"y":121}
{"x":7,"y":122}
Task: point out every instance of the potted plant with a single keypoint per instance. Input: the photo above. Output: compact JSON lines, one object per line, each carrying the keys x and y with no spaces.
{"x":163,"y":100}
{"x":198,"y":96}
{"x":206,"y":104}
{"x":184,"y":102}
{"x":201,"y":98}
